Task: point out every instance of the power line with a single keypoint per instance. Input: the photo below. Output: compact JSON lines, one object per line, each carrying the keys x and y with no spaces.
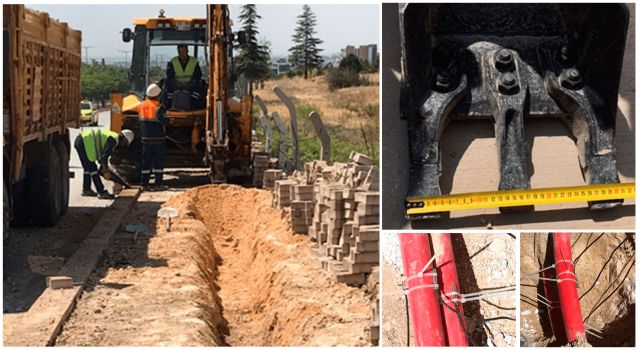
{"x":126,"y":56}
{"x":86,"y":53}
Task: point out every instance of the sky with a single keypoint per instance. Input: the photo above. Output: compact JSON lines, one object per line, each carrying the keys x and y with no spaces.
{"x":337,"y":25}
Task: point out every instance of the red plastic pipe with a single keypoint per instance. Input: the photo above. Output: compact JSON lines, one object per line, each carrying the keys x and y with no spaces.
{"x":449,"y":286}
{"x":424,"y":310}
{"x":567,"y":287}
{"x":555,"y":313}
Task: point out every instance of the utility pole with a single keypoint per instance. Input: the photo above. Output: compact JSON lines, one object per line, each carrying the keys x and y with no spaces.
{"x":126,"y":56}
{"x":86,"y":53}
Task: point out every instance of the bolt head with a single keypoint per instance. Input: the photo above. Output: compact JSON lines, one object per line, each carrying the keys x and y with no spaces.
{"x":508,"y":79}
{"x":571,"y":79}
{"x":444,"y":81}
{"x":443,"y":77}
{"x":504,"y":60}
{"x":508,"y":84}
{"x":573,"y":74}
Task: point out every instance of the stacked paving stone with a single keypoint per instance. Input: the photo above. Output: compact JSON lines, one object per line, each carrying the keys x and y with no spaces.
{"x":338,"y":206}
{"x":301,"y":216}
{"x":260,"y":165}
{"x":282,"y":193}
{"x":270,"y":177}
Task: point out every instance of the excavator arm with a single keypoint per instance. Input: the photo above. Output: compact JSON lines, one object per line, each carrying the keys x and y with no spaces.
{"x":219,"y":40}
{"x":228,"y":119}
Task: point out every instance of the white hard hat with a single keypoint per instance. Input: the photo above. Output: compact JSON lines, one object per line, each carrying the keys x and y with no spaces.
{"x":128,"y":136}
{"x":153,"y":90}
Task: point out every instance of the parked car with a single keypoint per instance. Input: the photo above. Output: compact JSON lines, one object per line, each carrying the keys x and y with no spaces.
{"x":88,"y":115}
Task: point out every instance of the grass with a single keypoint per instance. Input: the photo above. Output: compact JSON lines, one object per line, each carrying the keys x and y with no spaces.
{"x":344,"y":140}
{"x":350,"y":116}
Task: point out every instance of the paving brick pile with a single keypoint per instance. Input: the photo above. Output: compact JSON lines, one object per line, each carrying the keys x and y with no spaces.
{"x":338,"y":206}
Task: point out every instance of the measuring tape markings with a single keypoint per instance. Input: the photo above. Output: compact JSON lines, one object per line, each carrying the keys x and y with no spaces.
{"x":512,"y":198}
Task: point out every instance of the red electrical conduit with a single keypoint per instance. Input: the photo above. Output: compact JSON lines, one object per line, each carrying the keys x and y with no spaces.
{"x":555,"y":313}
{"x":449,"y":289}
{"x":567,"y":287}
{"x":424,"y":309}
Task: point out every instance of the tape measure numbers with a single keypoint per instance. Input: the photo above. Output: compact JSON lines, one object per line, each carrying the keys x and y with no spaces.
{"x":415,"y":206}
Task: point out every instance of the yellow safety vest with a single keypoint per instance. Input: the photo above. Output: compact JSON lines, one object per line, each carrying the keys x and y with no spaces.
{"x":95,"y":141}
{"x":183,"y":76}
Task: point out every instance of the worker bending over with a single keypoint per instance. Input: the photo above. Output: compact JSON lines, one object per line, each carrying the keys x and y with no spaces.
{"x":98,"y":145}
{"x":152,"y":132}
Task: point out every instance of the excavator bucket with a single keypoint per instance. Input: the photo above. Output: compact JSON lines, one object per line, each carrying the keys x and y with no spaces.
{"x":508,"y":62}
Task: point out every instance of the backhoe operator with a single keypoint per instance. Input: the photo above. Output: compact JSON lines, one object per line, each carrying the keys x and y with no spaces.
{"x":183,"y":73}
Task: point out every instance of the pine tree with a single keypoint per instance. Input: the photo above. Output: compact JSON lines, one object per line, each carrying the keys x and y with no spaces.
{"x":253,"y":58}
{"x":305,"y":54}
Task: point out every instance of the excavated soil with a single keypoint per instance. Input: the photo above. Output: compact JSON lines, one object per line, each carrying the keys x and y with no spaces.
{"x":229,"y":272}
{"x":605,"y":267}
{"x":272,"y":290}
{"x":484,"y":261}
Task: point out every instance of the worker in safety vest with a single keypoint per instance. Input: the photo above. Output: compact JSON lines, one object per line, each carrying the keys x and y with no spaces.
{"x":152,"y":132}
{"x":183,"y":73}
{"x":97,"y":145}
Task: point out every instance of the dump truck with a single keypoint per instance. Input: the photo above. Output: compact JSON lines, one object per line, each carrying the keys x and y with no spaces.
{"x":41,"y":101}
{"x":214,"y":133}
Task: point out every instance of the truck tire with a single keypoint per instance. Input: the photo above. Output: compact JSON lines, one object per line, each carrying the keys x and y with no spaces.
{"x":63,"y":155}
{"x":6,"y":211}
{"x":44,"y":187}
{"x":19,"y":205}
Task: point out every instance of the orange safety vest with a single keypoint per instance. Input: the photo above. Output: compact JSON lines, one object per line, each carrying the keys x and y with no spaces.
{"x":148,"y":110}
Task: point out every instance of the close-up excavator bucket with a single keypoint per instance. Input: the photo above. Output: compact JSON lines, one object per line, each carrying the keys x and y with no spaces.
{"x":508,"y":62}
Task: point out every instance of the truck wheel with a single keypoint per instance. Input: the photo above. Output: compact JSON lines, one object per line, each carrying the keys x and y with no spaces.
{"x":44,"y":187}
{"x":63,"y":155}
{"x":6,"y":212}
{"x":19,"y":205}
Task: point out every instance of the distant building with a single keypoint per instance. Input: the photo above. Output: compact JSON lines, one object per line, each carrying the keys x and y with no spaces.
{"x":366,"y":53}
{"x":372,"y":53}
{"x":280,"y":66}
{"x":350,"y":50}
{"x":362,"y":53}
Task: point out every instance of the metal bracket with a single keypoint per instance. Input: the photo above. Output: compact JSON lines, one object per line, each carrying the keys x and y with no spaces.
{"x":506,"y":88}
{"x":593,"y":132}
{"x":425,"y":130}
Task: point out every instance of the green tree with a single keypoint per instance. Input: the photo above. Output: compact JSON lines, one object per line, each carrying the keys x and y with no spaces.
{"x":305,"y":54}
{"x":253,"y":58}
{"x":351,"y":62}
{"x":98,"y":81}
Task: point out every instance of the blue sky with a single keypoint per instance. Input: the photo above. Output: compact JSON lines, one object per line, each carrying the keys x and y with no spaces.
{"x":337,"y":25}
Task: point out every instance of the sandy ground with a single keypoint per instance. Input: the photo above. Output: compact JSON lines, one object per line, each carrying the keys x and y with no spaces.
{"x":469,"y":163}
{"x":266,"y":288}
{"x":483,"y":261}
{"x":605,"y":267}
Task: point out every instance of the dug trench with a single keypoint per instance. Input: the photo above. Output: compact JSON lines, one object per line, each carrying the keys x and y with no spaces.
{"x":605,"y":270}
{"x":229,"y":272}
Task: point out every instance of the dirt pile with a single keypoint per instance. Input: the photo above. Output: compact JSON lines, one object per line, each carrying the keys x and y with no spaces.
{"x":271,"y":288}
{"x":605,"y":267}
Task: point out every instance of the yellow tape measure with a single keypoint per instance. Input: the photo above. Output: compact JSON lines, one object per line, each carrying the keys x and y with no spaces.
{"x":415,"y":206}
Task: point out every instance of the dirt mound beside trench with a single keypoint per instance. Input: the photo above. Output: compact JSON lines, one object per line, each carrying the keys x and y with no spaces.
{"x":605,"y":267}
{"x":260,"y":283}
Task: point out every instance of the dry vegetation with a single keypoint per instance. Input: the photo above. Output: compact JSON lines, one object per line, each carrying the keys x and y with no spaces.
{"x":349,"y":107}
{"x":351,"y":115}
